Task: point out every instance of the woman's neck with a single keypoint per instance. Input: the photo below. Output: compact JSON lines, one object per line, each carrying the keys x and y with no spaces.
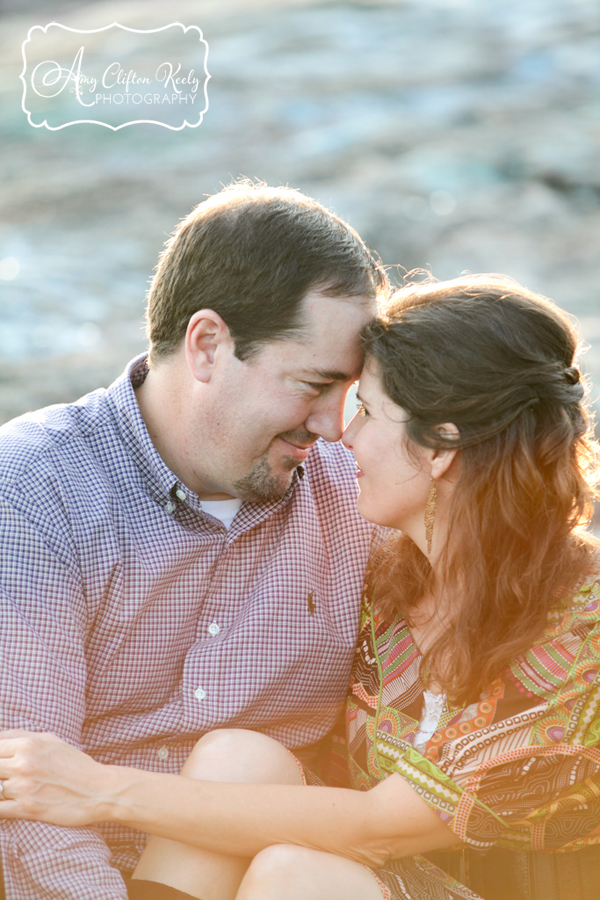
{"x":428,"y":620}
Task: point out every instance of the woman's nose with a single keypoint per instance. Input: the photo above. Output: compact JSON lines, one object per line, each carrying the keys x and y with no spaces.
{"x":350,"y":432}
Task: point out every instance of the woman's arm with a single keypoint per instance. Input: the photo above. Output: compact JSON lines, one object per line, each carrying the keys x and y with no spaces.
{"x":48,"y":780}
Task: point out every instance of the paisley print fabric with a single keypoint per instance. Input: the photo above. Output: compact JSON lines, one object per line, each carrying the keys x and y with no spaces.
{"x":519,"y":767}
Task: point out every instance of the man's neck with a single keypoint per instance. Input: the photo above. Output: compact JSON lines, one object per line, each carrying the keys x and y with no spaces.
{"x":160,"y":416}
{"x":165,"y":404}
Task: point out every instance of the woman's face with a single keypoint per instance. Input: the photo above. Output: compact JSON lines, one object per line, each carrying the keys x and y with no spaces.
{"x":393,"y":483}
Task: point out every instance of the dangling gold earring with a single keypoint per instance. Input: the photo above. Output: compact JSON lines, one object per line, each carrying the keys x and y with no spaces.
{"x":430,"y":508}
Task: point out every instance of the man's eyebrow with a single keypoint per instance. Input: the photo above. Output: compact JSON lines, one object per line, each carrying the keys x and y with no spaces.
{"x":330,"y":375}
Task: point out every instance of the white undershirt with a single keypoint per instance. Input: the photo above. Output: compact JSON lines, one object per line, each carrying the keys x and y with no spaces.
{"x":433,"y":707}
{"x":225,"y":510}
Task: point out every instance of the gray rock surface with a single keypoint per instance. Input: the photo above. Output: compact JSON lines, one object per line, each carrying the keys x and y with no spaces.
{"x":453,"y":134}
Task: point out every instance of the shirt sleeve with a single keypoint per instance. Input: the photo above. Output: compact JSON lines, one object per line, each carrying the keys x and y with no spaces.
{"x":43,"y":623}
{"x":530,"y":781}
{"x":528,"y":803}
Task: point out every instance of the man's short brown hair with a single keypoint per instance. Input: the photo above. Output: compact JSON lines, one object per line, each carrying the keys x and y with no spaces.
{"x":251,"y":253}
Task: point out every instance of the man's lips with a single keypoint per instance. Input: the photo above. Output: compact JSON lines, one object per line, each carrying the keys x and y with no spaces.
{"x":295,"y":451}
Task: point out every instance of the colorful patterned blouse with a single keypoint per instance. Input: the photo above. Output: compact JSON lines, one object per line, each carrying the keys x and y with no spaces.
{"x":520,"y":767}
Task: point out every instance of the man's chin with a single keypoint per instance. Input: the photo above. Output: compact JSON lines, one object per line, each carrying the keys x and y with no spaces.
{"x":262,"y":484}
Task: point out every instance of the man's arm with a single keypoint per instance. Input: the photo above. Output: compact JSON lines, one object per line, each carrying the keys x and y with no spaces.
{"x":43,"y":620}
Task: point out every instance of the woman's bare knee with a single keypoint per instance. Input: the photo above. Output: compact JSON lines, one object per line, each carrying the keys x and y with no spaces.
{"x":287,"y":872}
{"x":274,"y":873}
{"x":236,"y":754}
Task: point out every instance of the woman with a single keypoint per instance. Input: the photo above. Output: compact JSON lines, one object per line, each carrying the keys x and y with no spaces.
{"x":472,"y":716}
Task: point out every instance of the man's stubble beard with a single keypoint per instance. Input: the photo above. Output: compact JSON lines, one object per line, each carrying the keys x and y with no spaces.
{"x":261,"y":484}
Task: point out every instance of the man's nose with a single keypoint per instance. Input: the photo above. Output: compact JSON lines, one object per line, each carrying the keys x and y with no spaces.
{"x":326,"y":418}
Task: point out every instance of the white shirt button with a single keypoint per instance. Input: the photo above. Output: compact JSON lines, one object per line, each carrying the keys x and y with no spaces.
{"x":214,"y":629}
{"x":163,"y":753}
{"x":169,"y":507}
{"x":199,"y":693}
{"x":179,"y":493}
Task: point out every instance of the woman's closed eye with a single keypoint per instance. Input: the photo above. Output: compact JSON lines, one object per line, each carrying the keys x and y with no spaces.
{"x":362,"y":409}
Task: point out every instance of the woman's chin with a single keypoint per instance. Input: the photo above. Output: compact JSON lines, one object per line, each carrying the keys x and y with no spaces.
{"x":371,"y":513}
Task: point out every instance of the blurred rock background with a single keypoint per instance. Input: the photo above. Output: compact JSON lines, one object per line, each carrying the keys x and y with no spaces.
{"x":453,"y":134}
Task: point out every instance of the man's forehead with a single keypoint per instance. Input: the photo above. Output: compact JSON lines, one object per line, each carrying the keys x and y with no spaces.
{"x":330,"y":348}
{"x":317,"y":305}
{"x":335,"y":320}
{"x":327,"y":345}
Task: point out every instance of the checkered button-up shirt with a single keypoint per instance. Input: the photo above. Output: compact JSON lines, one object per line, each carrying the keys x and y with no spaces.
{"x":132,"y":622}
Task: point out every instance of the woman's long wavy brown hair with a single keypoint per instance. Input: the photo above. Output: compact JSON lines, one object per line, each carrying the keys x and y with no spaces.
{"x":497,"y":361}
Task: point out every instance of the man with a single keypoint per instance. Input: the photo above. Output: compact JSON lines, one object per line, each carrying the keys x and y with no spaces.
{"x":179,"y":553}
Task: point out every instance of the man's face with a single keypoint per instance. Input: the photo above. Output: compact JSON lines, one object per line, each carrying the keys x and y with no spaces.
{"x":268,"y":410}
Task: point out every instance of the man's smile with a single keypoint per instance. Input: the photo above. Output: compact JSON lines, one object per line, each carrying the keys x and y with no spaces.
{"x":295,"y":451}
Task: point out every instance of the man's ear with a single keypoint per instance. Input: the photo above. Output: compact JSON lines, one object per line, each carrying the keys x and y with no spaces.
{"x":206,"y":337}
{"x":444,"y":457}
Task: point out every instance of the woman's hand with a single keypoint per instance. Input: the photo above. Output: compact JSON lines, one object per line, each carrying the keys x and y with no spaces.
{"x":48,"y":780}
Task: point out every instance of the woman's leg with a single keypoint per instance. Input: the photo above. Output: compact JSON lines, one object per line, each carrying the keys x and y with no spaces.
{"x":232,"y":755}
{"x":284,"y":872}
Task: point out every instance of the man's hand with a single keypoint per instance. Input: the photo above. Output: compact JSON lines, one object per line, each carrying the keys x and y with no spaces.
{"x":48,"y":780}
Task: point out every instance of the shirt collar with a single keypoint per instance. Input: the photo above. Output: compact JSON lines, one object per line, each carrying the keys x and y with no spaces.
{"x":157,"y":475}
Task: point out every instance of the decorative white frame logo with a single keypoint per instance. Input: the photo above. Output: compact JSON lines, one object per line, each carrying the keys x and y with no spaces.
{"x":47,"y":73}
